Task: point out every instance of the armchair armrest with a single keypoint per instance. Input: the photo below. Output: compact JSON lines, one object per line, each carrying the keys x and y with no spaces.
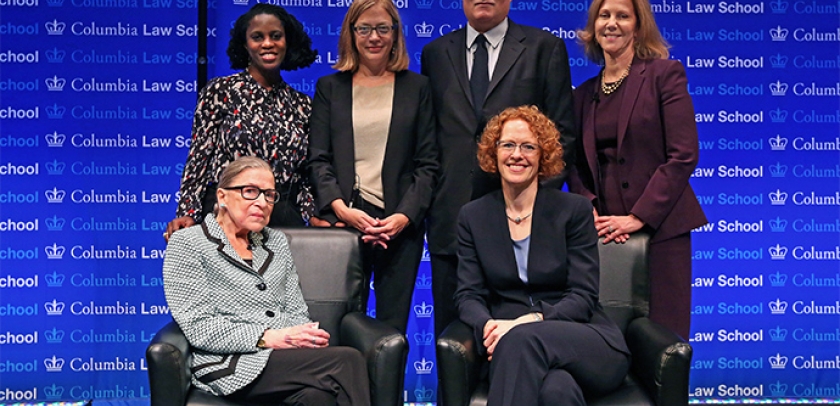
{"x":385,"y":350}
{"x":458,"y":364}
{"x":661,"y":361}
{"x":168,"y":357}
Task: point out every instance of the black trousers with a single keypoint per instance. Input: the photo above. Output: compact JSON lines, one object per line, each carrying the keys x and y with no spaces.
{"x":444,"y":282}
{"x":553,"y":363}
{"x":310,"y":377}
{"x":394,"y":271}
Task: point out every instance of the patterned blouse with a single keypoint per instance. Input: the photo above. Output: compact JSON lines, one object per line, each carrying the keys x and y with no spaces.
{"x":236,"y":116}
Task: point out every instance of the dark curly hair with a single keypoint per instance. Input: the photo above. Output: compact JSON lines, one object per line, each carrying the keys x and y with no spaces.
{"x":299,"y":52}
{"x":551,"y":151}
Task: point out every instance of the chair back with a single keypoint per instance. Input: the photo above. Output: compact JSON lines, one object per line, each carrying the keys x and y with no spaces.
{"x":624,"y":289}
{"x":329,"y":264}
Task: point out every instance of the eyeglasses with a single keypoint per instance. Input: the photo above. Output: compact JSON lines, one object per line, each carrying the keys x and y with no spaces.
{"x":253,"y":192}
{"x":366,"y":30}
{"x":525,"y":148}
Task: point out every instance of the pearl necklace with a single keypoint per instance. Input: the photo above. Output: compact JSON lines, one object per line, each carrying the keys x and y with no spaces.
{"x":518,"y":219}
{"x":609,"y":88}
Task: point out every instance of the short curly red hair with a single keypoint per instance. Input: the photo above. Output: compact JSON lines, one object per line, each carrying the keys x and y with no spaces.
{"x":551,"y":151}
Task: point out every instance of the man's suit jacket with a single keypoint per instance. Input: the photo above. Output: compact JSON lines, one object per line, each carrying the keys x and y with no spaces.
{"x":215,"y":298}
{"x":657,"y":147}
{"x":410,"y":166}
{"x":533,"y":69}
{"x":563,"y":268}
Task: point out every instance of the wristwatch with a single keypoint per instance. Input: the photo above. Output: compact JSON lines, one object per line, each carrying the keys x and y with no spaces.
{"x":261,"y":341}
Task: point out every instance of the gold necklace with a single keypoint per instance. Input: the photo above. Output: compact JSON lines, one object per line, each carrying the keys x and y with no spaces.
{"x":609,"y":88}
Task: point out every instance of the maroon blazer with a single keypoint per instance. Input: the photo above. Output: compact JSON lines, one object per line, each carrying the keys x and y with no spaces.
{"x":657,"y":147}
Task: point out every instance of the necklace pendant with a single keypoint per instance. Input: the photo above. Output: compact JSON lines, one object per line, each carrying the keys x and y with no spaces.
{"x":517,"y":220}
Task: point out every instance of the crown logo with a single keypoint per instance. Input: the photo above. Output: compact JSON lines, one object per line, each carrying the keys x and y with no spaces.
{"x":54,"y":308}
{"x":779,"y":33}
{"x":778,"y":279}
{"x":55,"y":168}
{"x":54,"y":364}
{"x":55,"y":28}
{"x":53,"y":392}
{"x":54,"y":223}
{"x":55,"y":3}
{"x":423,"y":367}
{"x":55,"y":83}
{"x":55,"y":195}
{"x":55,"y":139}
{"x":240,"y":2}
{"x":423,"y":282}
{"x":778,"y":389}
{"x":778,"y":61}
{"x":423,"y":4}
{"x":778,"y":307}
{"x":423,"y":310}
{"x":778,"y":361}
{"x":423,"y":338}
{"x":54,"y":336}
{"x":421,"y":394}
{"x":778,"y":88}
{"x":778,"y":170}
{"x":55,"y":55}
{"x":423,"y":30}
{"x":777,"y":252}
{"x":54,"y":251}
{"x":778,"y":333}
{"x":778,"y":115}
{"x":55,"y":279}
{"x":56,"y":111}
{"x":778,"y":225}
{"x":778,"y":143}
{"x":778,"y":6}
{"x":778,"y":198}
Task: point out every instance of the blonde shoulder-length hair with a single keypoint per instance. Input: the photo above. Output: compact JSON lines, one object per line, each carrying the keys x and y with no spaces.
{"x":649,"y":43}
{"x":348,"y":55}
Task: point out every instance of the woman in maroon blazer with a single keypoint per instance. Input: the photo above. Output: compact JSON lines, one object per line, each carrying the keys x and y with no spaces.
{"x":638,"y":149}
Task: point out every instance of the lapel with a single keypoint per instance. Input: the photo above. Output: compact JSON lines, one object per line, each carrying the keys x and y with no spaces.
{"x":542,"y":224}
{"x":456,"y":50}
{"x":633,"y":83}
{"x":511,"y":49}
{"x":343,"y":145}
{"x":497,"y":220}
{"x":214,"y":233}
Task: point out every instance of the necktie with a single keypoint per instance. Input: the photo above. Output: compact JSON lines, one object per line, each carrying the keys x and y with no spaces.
{"x":479,"y":78}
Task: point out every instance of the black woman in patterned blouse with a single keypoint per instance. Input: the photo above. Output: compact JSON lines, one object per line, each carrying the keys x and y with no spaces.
{"x":253,"y":113}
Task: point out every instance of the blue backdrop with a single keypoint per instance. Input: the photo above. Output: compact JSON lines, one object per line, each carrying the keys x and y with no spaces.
{"x":96,"y":102}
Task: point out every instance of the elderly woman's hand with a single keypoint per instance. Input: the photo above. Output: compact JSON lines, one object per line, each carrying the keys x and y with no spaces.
{"x":303,"y":336}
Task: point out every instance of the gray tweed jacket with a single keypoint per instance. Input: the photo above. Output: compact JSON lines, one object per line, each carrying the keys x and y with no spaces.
{"x":224,"y":305}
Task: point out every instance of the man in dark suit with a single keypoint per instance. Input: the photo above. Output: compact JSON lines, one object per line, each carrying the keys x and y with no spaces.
{"x":517,"y":65}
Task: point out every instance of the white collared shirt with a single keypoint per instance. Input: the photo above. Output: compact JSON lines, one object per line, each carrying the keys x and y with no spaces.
{"x":495,"y":38}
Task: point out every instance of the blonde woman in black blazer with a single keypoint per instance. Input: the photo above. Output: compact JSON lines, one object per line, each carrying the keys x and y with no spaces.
{"x":389,"y":218}
{"x":528,"y":274}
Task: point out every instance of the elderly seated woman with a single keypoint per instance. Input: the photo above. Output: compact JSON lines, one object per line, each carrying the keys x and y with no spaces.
{"x":528,"y":274}
{"x":232,"y":287}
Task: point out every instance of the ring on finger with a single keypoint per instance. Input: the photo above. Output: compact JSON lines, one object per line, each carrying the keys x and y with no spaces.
{"x":313,"y":341}
{"x":610,"y":229}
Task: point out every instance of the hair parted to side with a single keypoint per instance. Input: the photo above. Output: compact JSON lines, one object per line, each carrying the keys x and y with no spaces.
{"x":348,"y":55}
{"x":233,"y":169}
{"x":551,"y":151}
{"x":299,"y":52}
{"x":649,"y":43}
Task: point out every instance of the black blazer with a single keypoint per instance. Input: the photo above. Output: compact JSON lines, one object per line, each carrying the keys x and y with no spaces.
{"x":410,"y":166}
{"x":563,"y":267}
{"x":533,"y":69}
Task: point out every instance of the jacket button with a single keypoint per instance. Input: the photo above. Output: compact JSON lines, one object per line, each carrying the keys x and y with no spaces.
{"x":269,"y":313}
{"x":621,"y":161}
{"x":261,"y":286}
{"x":625,"y":185}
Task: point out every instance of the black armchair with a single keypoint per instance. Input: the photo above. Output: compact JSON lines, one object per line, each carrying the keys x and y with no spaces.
{"x":660,"y":363}
{"x":329,"y":264}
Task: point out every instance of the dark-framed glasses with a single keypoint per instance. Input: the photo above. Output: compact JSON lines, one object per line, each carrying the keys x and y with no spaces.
{"x":366,"y":30}
{"x":525,"y":148}
{"x":253,"y":192}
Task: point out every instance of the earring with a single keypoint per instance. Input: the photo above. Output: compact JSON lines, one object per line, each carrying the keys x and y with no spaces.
{"x":222,"y":205}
